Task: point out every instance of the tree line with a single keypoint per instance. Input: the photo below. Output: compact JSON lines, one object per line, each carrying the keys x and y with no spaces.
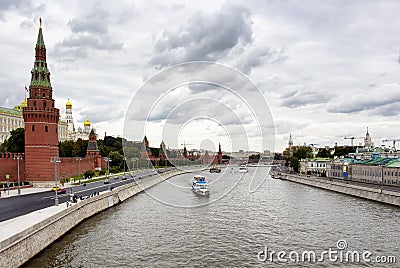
{"x":108,"y":147}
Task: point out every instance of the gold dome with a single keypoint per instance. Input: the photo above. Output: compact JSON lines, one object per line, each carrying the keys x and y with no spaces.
{"x":68,"y":104}
{"x":87,"y":122}
{"x":21,"y":105}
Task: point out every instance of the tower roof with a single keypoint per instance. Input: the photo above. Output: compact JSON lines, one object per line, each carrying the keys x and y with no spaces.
{"x":68,"y":104}
{"x":40,"y":72}
{"x":40,"y":41}
{"x":92,"y":134}
{"x":87,"y":122}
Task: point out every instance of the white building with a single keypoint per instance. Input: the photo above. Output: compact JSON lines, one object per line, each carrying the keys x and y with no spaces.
{"x":72,"y":133}
{"x":315,"y":166}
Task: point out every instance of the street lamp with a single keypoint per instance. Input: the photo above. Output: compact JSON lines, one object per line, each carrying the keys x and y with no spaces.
{"x":55,"y":160}
{"x":79,"y":167}
{"x":124,"y":165}
{"x":381,"y":180}
{"x":108,"y":160}
{"x":18,"y":157}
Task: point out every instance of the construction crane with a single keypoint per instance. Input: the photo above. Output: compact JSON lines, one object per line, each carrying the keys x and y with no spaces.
{"x":352,"y":139}
{"x":392,"y":140}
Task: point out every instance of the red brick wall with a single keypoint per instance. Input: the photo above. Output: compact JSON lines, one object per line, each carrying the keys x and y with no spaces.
{"x":69,"y":166}
{"x":9,"y":165}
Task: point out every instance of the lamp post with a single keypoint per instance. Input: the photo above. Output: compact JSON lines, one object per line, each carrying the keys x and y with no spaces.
{"x":381,"y":179}
{"x":19,"y":181}
{"x":55,"y":160}
{"x":124,"y":165}
{"x":79,"y":166}
{"x":108,"y":160}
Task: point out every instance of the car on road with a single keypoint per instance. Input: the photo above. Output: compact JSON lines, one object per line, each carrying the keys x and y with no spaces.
{"x":107,"y":181}
{"x":124,"y":178}
{"x":61,"y":191}
{"x":55,"y":188}
{"x":116,"y":178}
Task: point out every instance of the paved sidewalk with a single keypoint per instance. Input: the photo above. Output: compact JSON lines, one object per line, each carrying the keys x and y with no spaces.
{"x":18,"y":224}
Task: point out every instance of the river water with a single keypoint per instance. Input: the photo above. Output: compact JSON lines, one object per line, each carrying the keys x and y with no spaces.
{"x":169,"y":226}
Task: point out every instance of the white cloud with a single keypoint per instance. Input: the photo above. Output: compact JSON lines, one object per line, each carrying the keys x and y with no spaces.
{"x":327,"y":68}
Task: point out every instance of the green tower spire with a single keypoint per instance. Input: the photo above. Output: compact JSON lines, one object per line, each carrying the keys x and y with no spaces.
{"x":40,"y":41}
{"x":40,"y":72}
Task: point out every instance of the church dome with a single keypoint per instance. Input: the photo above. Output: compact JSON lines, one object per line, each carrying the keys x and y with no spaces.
{"x":87,"y":122}
{"x":68,"y":104}
{"x":22,"y":105}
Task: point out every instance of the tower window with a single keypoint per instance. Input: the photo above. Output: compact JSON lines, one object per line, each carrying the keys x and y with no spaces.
{"x":44,"y":104}
{"x":46,"y":128}
{"x":33,"y":128}
{"x":44,"y":95}
{"x":34,"y":103}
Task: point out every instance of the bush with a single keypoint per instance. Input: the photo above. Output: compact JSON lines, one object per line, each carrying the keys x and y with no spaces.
{"x":102,"y":172}
{"x":89,"y":173}
{"x":114,"y":170}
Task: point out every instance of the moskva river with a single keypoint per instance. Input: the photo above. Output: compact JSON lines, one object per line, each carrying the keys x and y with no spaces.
{"x":246,"y":221}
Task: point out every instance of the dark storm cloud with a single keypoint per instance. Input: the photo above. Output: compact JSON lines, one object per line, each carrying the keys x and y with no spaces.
{"x":23,"y":7}
{"x":392,"y":109}
{"x":299,"y":98}
{"x":95,"y":21}
{"x":88,"y":32}
{"x":90,"y":41}
{"x":381,"y":100}
{"x":258,"y":56}
{"x":205,"y":37}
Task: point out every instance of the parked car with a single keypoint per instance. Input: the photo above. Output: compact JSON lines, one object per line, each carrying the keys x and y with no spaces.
{"x":107,"y":181}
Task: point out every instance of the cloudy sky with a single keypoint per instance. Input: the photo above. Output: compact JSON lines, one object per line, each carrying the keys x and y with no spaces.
{"x":327,"y":69}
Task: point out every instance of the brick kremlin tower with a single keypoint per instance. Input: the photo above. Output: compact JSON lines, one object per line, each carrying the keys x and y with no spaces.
{"x":219,"y":154}
{"x":41,"y":121}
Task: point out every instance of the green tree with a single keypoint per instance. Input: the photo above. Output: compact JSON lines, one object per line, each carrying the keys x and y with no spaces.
{"x":79,"y":148}
{"x":344,"y":150}
{"x":324,"y":153}
{"x":15,"y":143}
{"x":302,"y":152}
{"x":65,"y":148}
{"x":116,"y":159}
{"x":294,"y":163}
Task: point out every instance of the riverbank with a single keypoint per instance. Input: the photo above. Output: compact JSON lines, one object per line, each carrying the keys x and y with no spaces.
{"x":23,"y":237}
{"x":375,"y":194}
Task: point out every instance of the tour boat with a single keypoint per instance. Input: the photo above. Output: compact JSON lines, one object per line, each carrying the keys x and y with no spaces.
{"x":200,"y":185}
{"x":243,"y":169}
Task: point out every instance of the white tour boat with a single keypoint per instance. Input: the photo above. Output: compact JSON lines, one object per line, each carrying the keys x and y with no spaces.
{"x":200,"y":185}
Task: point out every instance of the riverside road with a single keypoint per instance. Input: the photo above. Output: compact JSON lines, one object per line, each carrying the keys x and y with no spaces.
{"x":19,"y":205}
